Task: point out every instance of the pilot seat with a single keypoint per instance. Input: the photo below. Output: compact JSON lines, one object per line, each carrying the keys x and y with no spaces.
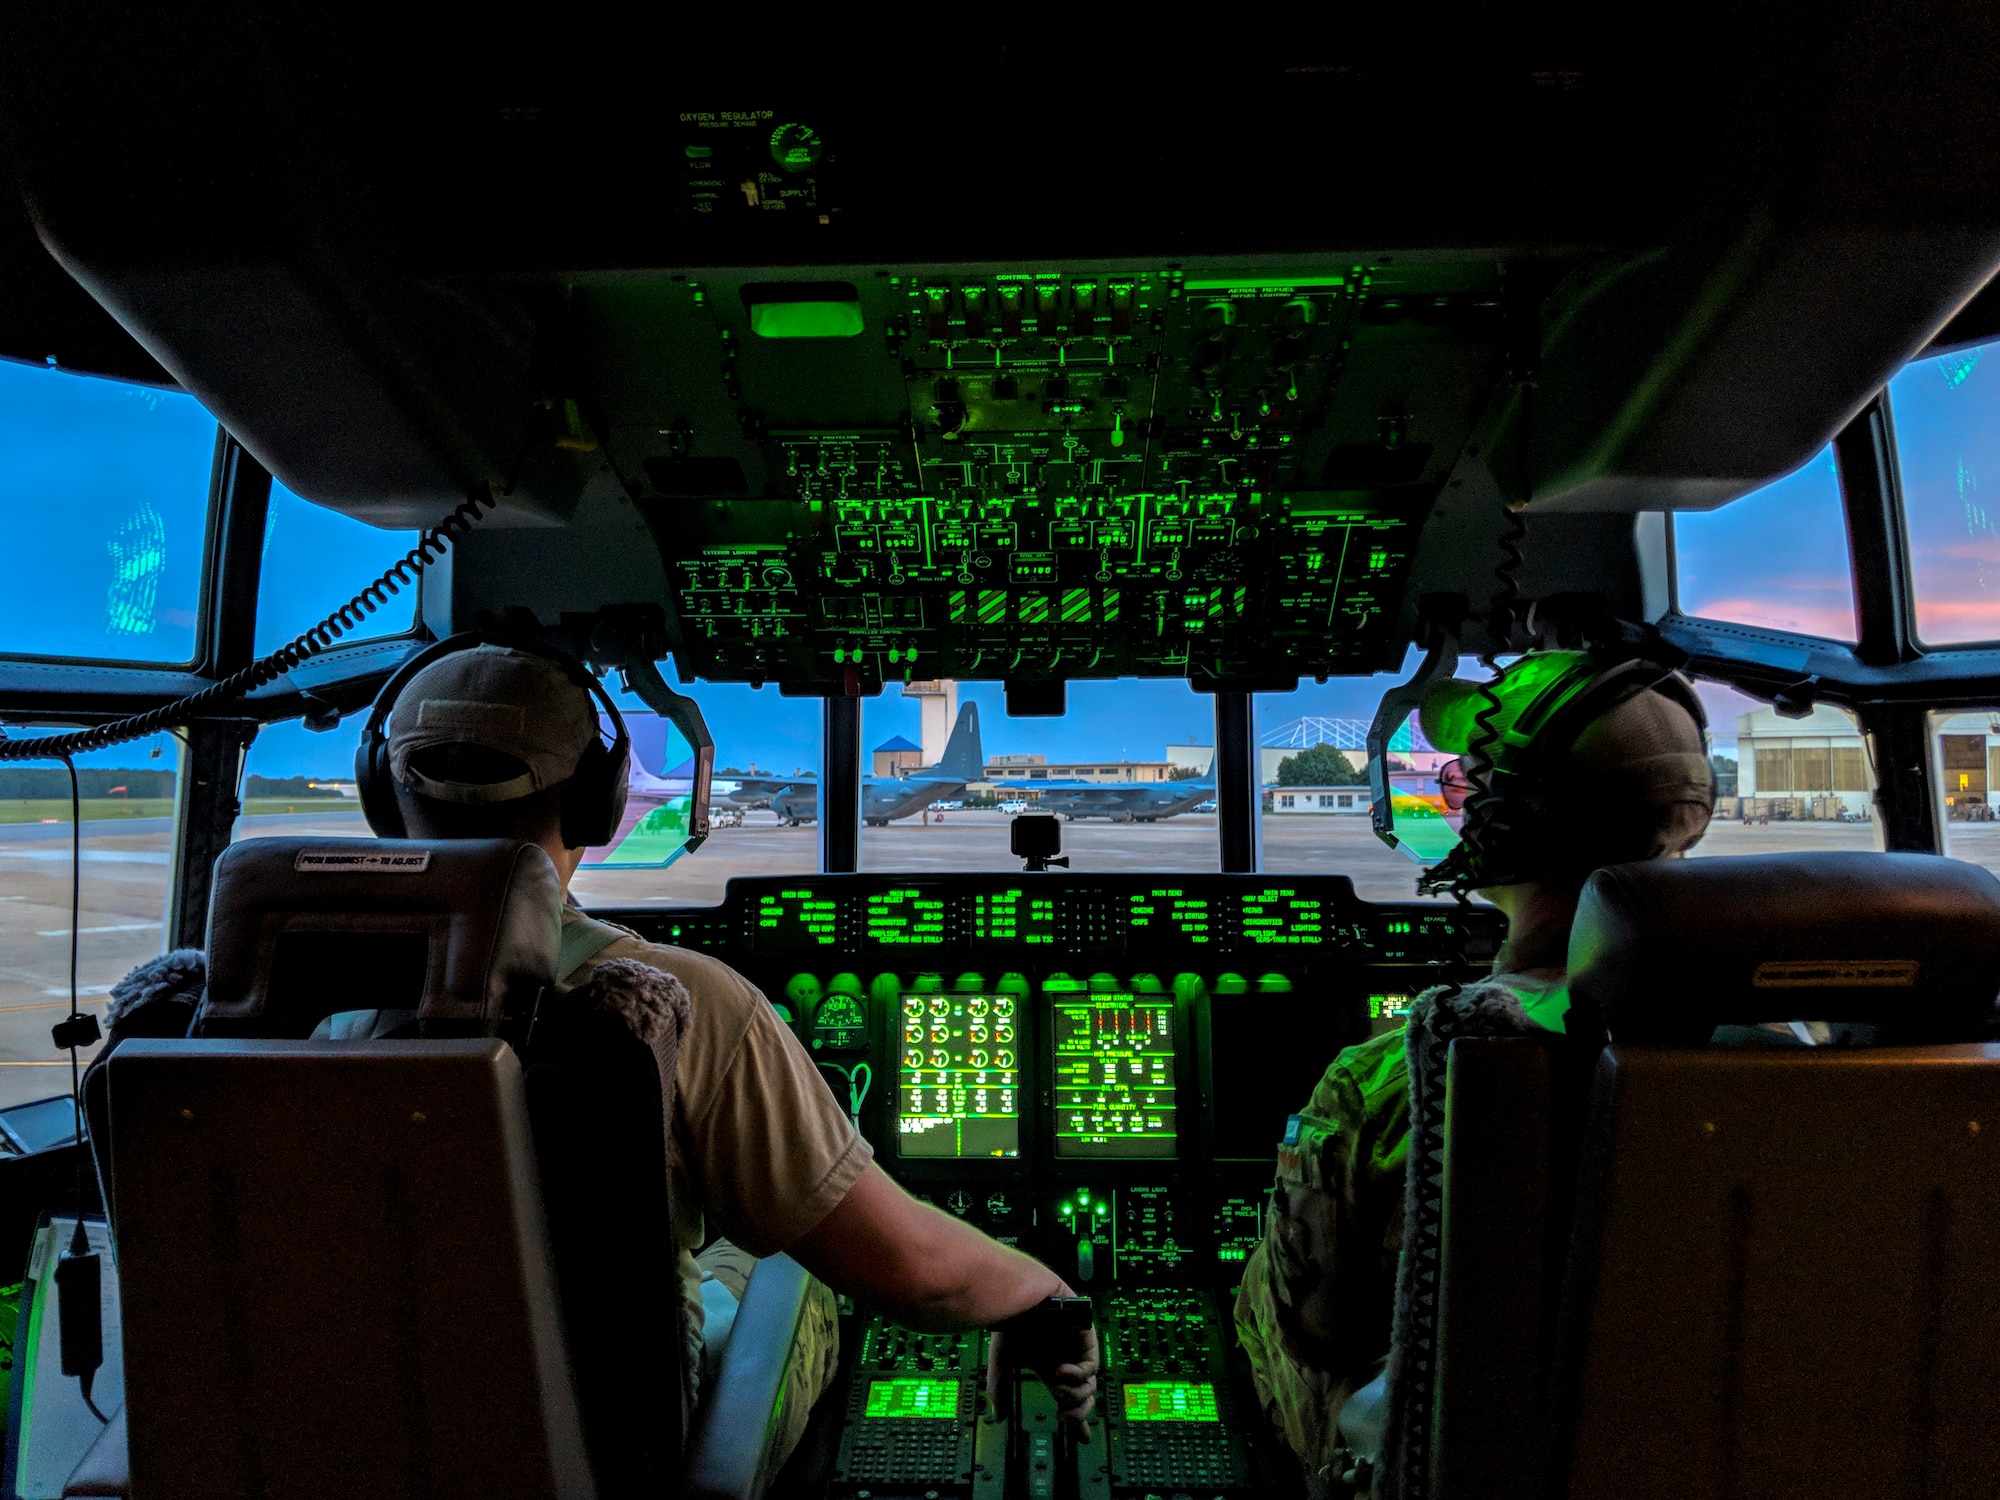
{"x":437,"y":1260}
{"x":1734,"y":1234}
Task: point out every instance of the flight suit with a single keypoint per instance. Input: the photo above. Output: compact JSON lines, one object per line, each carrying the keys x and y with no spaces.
{"x":1317,"y":1306}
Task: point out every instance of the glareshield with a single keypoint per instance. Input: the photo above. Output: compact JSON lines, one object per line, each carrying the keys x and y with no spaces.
{"x":667,"y":784}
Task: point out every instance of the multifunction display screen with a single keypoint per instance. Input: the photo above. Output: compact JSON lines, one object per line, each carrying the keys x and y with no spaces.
{"x":1006,"y":917}
{"x":958,"y":1091}
{"x":795,"y":919}
{"x":911,"y":1396}
{"x":907,"y":917}
{"x":1114,"y":1075}
{"x":1170,"y":1401}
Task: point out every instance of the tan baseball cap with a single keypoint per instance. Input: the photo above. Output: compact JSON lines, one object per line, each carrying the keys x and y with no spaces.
{"x":518,"y":704}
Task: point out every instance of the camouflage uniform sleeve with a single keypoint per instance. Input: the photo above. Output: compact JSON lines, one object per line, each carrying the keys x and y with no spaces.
{"x":1315,"y":1309}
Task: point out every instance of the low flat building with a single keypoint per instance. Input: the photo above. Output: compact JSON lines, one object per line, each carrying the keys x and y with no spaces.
{"x":1317,"y":800}
{"x":1020,"y":768}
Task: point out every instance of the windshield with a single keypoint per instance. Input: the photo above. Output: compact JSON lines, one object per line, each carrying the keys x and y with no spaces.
{"x":1126,"y":769}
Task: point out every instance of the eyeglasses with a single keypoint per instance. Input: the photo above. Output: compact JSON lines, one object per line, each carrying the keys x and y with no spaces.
{"x":1454,"y":785}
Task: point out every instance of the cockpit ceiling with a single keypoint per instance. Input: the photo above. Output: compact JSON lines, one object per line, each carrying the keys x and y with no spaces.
{"x":997,"y":360}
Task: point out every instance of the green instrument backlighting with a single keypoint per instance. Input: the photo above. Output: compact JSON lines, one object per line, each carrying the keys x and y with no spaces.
{"x":915,"y":1396}
{"x":1114,"y":1067}
{"x":958,"y":1083}
{"x":1014,"y":916}
{"x":796,"y":148}
{"x":1172,"y":908}
{"x":906,"y":918}
{"x":1239,"y":1229}
{"x":1280,"y":916}
{"x":1164,"y":1401}
{"x":840,"y":1021}
{"x":789,"y":920}
{"x":806,"y":320}
{"x":1388,"y":1006}
{"x":1249,"y":285}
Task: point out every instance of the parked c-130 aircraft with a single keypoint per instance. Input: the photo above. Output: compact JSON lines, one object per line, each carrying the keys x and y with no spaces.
{"x":1278,"y":374}
{"x":886,"y":798}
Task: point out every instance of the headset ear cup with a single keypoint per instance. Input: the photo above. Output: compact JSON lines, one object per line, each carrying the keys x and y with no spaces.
{"x":593,"y":799}
{"x":377,"y":788}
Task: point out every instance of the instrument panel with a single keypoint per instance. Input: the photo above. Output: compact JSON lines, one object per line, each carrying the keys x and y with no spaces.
{"x":1098,"y":1070}
{"x":1051,"y":471}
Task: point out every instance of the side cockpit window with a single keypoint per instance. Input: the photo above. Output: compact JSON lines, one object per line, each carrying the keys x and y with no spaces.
{"x":1775,"y":558}
{"x":105,"y":489}
{"x":1947,"y":414}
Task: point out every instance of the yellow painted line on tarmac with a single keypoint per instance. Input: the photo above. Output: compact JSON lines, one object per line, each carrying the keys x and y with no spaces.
{"x":56,"y":1004}
{"x":61,"y":1062}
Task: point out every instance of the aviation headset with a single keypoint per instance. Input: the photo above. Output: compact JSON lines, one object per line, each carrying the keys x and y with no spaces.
{"x":593,"y":798}
{"x":1513,"y":814}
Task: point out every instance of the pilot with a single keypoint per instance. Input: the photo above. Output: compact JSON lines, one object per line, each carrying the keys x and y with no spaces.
{"x":766,"y":1160}
{"x":1632,"y":782}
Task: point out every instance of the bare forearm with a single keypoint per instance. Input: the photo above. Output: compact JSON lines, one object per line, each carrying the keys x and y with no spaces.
{"x":963,"y":1279}
{"x":919,"y":1264}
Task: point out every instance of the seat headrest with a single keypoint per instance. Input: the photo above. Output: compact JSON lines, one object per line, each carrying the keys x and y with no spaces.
{"x":463,"y":932}
{"x":1669,"y":950}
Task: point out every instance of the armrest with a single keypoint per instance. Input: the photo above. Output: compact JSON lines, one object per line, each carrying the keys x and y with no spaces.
{"x":106,"y":1466}
{"x":734,"y":1427}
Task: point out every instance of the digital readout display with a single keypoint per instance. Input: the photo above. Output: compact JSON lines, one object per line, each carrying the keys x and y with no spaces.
{"x":1278,"y":916}
{"x":1172,"y":909}
{"x":1014,"y":916}
{"x":1114,"y":1075}
{"x":906,"y":917}
{"x":959,"y":1083}
{"x":911,"y":1396}
{"x":798,"y":918}
{"x":1169,"y":1401}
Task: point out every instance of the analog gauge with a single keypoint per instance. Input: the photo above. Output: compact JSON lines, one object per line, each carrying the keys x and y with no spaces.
{"x":940,"y":1033}
{"x":976,"y":1006}
{"x":977,"y":1059}
{"x":1003,"y":1033}
{"x":976,"y":1033}
{"x":959,"y":1202}
{"x":1004,"y":1006}
{"x":940,"y":1006}
{"x":1003,"y":1059}
{"x":914,"y":1032}
{"x":913,"y":1058}
{"x":940,"y":1058}
{"x":795,"y":147}
{"x":997,"y":1206}
{"x":912,"y":1006}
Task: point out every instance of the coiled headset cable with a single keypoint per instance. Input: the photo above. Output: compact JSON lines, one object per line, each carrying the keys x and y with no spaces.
{"x":403,"y":573}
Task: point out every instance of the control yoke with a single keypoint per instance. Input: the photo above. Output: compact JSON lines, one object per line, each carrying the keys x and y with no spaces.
{"x":1042,"y":1449}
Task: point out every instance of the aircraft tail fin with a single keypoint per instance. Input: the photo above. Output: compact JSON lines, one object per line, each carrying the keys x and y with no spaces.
{"x":963,"y":758}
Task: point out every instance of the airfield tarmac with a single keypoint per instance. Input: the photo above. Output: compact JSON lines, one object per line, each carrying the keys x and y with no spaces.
{"x":125,"y":871}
